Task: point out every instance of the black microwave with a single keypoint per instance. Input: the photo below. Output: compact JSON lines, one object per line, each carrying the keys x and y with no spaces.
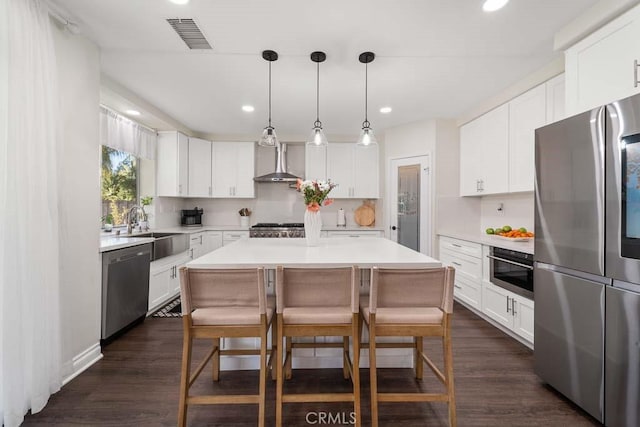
{"x":512,"y":270}
{"x":191,"y":217}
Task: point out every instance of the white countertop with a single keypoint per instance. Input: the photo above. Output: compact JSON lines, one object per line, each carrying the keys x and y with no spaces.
{"x":489,"y":240}
{"x":110,"y":243}
{"x":331,"y":252}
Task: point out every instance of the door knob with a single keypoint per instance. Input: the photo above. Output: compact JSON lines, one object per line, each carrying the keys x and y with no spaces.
{"x":393,"y":227}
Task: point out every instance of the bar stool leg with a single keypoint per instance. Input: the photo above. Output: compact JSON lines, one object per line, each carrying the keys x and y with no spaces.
{"x":345,"y":354}
{"x":215,"y":360}
{"x":279,"y":374}
{"x":186,"y":373}
{"x":448,"y":366}
{"x":263,"y":371}
{"x":372,"y":370}
{"x":274,"y":348}
{"x":288,"y":359}
{"x":356,"y":369}
{"x":417,"y":357}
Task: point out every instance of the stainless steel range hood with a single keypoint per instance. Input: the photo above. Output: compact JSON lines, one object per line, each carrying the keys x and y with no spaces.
{"x":281,"y":174}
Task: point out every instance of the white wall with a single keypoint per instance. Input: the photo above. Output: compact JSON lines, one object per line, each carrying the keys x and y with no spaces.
{"x":79,"y":84}
{"x":517,"y":211}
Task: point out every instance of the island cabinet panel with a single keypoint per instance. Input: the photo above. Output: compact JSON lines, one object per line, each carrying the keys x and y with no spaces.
{"x":199,"y":168}
{"x":603,"y":67}
{"x":172,"y":164}
{"x":354,"y":168}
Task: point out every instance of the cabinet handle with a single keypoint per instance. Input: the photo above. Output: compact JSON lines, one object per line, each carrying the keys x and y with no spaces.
{"x":353,"y":235}
{"x":635,"y":73}
{"x":508,"y":304}
{"x":179,"y":188}
{"x":513,"y":306}
{"x":456,"y":245}
{"x":457,"y":286}
{"x":210,"y":191}
{"x":200,"y":239}
{"x":456,"y":263}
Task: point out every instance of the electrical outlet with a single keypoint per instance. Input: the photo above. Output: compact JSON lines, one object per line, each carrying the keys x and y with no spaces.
{"x":500,"y":209}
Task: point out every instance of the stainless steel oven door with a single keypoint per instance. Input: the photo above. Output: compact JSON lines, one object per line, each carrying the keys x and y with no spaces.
{"x":512,"y":271}
{"x":623,"y":190}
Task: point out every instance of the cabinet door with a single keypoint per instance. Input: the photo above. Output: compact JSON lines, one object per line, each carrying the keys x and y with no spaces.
{"x":340,"y":169}
{"x":496,"y":303}
{"x":196,"y":245}
{"x":199,"y":168}
{"x":523,"y":318}
{"x":366,"y":169}
{"x":495,"y":151}
{"x":526,"y":113}
{"x":468,"y":291}
{"x":224,"y":169}
{"x":470,"y":158}
{"x":212,"y":241}
{"x":556,"y":99}
{"x":172,"y":164}
{"x":245,"y":169}
{"x":174,"y":287}
{"x":315,"y":163}
{"x":600,"y":69}
{"x":159,"y":283}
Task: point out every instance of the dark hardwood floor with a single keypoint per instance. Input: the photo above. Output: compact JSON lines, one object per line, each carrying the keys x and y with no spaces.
{"x":137,"y":382}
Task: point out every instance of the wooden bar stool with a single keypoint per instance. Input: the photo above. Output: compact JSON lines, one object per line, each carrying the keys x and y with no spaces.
{"x":315,"y":302}
{"x":416,"y":303}
{"x":223,"y":304}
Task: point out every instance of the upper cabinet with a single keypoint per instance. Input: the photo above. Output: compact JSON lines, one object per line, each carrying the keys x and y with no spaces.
{"x":194,"y":167}
{"x":172,"y":171}
{"x":199,"y":168}
{"x":603,"y":67}
{"x":484,"y":154}
{"x":315,"y":163}
{"x":233,"y":169}
{"x":497,"y":149}
{"x":354,"y":168}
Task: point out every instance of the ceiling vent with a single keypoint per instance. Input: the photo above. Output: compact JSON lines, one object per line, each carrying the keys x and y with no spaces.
{"x":189,"y":32}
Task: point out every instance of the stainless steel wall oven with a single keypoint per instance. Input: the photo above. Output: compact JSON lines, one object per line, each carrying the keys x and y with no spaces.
{"x":512,"y":270}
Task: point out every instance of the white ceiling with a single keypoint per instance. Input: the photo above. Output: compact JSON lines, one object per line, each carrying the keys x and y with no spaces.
{"x":435,"y":58}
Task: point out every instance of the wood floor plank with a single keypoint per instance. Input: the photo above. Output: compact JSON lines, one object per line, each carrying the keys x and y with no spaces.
{"x":137,"y":384}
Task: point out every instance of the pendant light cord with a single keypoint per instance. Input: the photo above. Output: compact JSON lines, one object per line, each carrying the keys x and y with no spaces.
{"x":269,"y":93}
{"x":317,"y":91}
{"x":366,"y":93}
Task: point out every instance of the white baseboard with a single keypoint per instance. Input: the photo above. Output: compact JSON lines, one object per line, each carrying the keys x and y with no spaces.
{"x":82,"y":362}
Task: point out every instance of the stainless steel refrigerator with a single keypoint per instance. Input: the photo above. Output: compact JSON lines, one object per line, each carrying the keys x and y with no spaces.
{"x":587,"y":253}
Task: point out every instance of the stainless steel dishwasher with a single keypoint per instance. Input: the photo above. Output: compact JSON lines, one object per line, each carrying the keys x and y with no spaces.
{"x":125,"y":287}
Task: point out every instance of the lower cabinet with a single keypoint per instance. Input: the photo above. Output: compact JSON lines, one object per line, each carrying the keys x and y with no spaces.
{"x":508,"y":309}
{"x":164,"y":280}
{"x":212,"y":240}
{"x":465,"y":258}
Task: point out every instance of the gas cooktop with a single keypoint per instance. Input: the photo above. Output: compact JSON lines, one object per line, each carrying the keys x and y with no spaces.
{"x":272,"y":229}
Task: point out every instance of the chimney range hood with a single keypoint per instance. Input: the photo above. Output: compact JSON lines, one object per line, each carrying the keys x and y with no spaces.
{"x":281,"y":174}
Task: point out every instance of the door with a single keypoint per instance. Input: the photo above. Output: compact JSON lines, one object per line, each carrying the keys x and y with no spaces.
{"x":622,"y":365}
{"x":569,"y":220}
{"x":410,"y":192}
{"x":199,"y":168}
{"x":569,"y":335}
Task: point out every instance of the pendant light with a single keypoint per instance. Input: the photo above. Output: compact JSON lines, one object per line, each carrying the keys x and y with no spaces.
{"x":366,"y":137}
{"x":269,"y":138}
{"x":318,"y":138}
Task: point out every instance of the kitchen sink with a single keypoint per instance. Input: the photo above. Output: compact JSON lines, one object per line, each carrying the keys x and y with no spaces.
{"x":165,"y":244}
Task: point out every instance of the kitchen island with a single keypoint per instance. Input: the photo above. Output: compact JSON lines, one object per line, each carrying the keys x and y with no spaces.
{"x":364,"y":252}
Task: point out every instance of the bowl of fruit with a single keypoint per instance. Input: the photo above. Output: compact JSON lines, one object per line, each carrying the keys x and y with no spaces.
{"x":514,"y":234}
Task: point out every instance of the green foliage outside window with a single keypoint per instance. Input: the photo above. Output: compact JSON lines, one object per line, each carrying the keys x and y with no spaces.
{"x":119,"y":184}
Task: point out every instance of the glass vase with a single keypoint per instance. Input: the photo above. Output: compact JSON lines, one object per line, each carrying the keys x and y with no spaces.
{"x":312,"y":227}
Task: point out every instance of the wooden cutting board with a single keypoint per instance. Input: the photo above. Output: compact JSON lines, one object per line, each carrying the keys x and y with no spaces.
{"x":365,"y":215}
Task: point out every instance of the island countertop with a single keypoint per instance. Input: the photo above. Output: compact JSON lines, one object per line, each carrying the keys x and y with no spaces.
{"x":364,"y":252}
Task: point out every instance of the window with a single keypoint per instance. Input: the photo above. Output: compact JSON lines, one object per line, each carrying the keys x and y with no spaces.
{"x":119,"y":184}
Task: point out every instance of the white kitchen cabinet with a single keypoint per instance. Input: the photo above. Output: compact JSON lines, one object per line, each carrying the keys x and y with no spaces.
{"x":212,"y":241}
{"x":510,"y":310}
{"x":172,"y":164}
{"x":199,"y":168}
{"x":233,"y":169}
{"x":164,"y":279}
{"x":527,"y":112}
{"x":602,"y":67}
{"x":556,"y":95}
{"x":465,"y":257}
{"x":196,"y":245}
{"x":484,"y":154}
{"x":315,"y":163}
{"x":355,"y":169}
{"x":232,"y":236}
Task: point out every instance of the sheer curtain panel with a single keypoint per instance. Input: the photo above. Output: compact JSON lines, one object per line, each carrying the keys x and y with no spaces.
{"x":118,"y":132}
{"x":29,"y":226}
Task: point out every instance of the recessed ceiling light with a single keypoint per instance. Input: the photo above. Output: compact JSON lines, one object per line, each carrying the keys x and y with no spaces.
{"x":179,"y":1}
{"x":493,"y":5}
{"x":133,"y":112}
{"x":385,"y":110}
{"x":247,"y":108}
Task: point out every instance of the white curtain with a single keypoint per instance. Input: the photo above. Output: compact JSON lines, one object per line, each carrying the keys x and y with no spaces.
{"x":29,"y":245}
{"x":123,"y":134}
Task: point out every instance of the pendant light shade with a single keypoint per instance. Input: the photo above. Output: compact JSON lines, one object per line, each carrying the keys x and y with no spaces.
{"x":317,"y":137}
{"x":367,"y":136}
{"x":269,"y":137}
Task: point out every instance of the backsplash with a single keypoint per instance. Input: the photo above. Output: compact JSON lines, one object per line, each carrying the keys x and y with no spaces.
{"x":517,"y":211}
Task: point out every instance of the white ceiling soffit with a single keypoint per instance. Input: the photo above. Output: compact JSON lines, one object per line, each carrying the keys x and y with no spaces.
{"x":434,"y":58}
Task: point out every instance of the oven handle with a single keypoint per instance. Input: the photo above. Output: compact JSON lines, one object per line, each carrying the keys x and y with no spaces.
{"x":510,"y":262}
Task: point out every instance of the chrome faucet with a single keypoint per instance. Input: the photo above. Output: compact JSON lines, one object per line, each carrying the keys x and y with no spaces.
{"x":129,"y":217}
